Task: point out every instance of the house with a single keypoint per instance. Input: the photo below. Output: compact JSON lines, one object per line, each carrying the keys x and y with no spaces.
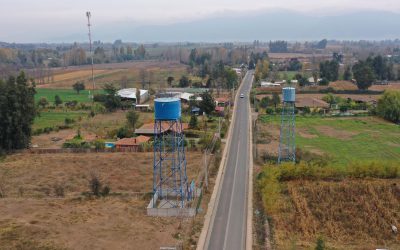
{"x":148,"y":128}
{"x":185,"y":97}
{"x":311,"y":80}
{"x":131,"y":143}
{"x":142,"y":107}
{"x":269,"y":84}
{"x":310,"y":102}
{"x":222,"y":101}
{"x":130,"y":94}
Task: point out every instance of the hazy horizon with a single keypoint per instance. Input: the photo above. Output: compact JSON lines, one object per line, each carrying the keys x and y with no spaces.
{"x":55,"y":21}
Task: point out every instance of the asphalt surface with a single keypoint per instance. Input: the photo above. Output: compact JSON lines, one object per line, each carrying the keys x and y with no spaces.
{"x":228,"y":230}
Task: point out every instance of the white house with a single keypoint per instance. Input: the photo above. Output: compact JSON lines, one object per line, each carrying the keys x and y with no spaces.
{"x":270,"y":84}
{"x":130,"y":94}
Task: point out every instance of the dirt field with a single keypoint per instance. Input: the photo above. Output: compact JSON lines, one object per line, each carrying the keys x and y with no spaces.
{"x":33,"y":217}
{"x":114,"y":72}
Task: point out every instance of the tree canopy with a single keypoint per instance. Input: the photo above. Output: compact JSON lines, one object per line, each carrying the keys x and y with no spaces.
{"x":389,"y":106}
{"x":17,"y":112}
{"x":111,"y":100}
{"x":329,"y":70}
{"x":364,"y":75}
{"x":78,"y":87}
{"x":207,"y":103}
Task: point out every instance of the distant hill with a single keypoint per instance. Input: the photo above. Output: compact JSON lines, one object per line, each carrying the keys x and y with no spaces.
{"x":265,"y":26}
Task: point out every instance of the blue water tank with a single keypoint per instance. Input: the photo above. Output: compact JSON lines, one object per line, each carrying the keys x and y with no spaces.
{"x":289,"y":94}
{"x":167,"y":108}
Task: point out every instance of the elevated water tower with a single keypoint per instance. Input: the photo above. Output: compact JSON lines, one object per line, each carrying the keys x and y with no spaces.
{"x":287,"y":143}
{"x":170,"y":185}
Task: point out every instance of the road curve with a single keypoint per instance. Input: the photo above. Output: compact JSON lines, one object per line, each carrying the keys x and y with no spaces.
{"x":228,"y":226}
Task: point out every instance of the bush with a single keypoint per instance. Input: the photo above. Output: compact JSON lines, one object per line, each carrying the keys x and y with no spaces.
{"x":99,"y":98}
{"x":99,"y":144}
{"x":95,"y":185}
{"x":76,"y":143}
{"x":68,"y":121}
{"x":269,"y":111}
{"x":124,"y":132}
{"x":320,"y":244}
{"x":59,"y":190}
{"x":389,"y":106}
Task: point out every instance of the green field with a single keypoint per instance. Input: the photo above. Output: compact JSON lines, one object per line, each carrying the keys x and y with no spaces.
{"x":346,"y":139}
{"x":65,"y":95}
{"x":54,"y":118}
{"x":283,"y":75}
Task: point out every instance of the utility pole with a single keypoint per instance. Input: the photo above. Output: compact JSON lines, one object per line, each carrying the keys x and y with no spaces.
{"x":219,"y":127}
{"x":88,"y":15}
{"x":205,"y":169}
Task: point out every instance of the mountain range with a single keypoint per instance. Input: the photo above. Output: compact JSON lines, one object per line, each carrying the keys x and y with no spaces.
{"x":260,"y":25}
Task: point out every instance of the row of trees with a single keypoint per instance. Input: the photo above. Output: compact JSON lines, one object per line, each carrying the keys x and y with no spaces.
{"x":17,"y":112}
{"x":216,"y":74}
{"x":374,"y":68}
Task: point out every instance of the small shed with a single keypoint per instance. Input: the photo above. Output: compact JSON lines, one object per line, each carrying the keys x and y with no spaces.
{"x":195,"y":111}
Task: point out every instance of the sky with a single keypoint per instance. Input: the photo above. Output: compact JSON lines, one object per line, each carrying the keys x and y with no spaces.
{"x":42,"y":20}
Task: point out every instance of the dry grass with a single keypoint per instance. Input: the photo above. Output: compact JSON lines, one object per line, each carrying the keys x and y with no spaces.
{"x":31,"y":214}
{"x":113,"y":73}
{"x":350,"y":214}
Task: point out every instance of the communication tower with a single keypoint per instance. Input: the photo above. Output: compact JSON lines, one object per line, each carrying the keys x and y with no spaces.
{"x":170,"y":185}
{"x":287,"y":144}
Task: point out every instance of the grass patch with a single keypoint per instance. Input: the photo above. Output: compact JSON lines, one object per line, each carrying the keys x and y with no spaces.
{"x":54,"y":118}
{"x":346,"y":139}
{"x":65,"y":95}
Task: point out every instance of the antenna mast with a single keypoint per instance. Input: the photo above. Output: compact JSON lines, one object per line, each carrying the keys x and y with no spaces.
{"x":88,"y":14}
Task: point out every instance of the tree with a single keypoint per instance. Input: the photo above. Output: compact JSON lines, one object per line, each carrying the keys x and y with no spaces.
{"x":17,"y":112}
{"x":111,"y":101}
{"x":124,"y":82}
{"x":184,"y":82}
{"x":170,"y":79}
{"x":207,"y":103}
{"x":321,"y":44}
{"x":57,"y":100}
{"x":132,"y":118}
{"x":276,"y":99}
{"x":142,"y":77}
{"x":363,"y":74}
{"x":265,"y":102}
{"x":278,"y":47}
{"x":140,"y":53}
{"x":78,"y":86}
{"x":329,"y":70}
{"x":43,"y":102}
{"x":294,"y":65}
{"x":389,"y":106}
{"x":230,"y":78}
{"x":347,"y":76}
{"x":329,"y":98}
{"x":193,"y":122}
{"x":138,"y":96}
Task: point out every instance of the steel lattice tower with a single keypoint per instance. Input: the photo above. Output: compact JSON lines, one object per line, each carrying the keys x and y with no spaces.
{"x":287,"y":143}
{"x":170,"y":183}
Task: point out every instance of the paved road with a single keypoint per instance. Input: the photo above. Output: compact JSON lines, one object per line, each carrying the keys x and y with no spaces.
{"x":228,"y":224}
